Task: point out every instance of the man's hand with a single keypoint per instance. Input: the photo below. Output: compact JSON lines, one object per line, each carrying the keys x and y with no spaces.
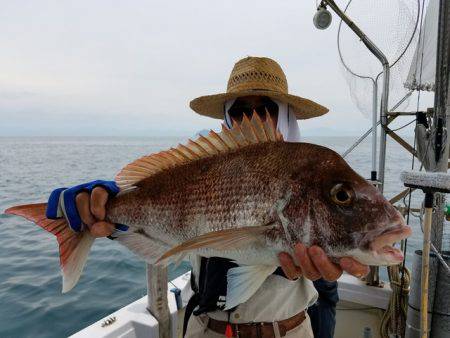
{"x":314,"y":264}
{"x":83,"y":206}
{"x":92,"y":211}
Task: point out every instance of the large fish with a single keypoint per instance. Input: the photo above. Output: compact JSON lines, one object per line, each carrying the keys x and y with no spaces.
{"x":242,"y":194}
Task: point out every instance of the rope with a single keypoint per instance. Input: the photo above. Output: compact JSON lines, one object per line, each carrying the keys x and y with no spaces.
{"x":394,"y":318}
{"x":404,"y":126}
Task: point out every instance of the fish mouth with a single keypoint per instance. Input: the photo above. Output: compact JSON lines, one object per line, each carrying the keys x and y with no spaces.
{"x":381,"y":244}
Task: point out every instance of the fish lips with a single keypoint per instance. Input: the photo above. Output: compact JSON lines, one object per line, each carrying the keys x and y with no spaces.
{"x":380,"y":243}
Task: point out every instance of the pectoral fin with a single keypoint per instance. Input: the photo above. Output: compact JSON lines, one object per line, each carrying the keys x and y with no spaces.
{"x":244,"y":281}
{"x":230,"y":239}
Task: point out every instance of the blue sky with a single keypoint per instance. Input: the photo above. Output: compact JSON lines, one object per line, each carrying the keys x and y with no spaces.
{"x":124,"y":68}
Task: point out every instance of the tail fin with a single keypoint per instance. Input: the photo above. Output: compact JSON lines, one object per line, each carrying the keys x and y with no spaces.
{"x":73,"y":247}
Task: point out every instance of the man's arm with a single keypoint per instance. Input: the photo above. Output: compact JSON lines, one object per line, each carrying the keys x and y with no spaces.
{"x":313,"y":262}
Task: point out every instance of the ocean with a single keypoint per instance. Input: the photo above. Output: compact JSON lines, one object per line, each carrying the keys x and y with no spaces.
{"x":31,"y":303}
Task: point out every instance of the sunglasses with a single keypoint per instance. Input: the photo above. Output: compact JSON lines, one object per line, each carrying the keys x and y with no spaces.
{"x":261,"y":105}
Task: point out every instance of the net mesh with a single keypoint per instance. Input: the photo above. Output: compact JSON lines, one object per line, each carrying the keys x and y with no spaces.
{"x":392,"y":26}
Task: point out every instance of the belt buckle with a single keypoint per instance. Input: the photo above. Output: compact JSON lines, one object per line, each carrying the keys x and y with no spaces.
{"x":258,"y":328}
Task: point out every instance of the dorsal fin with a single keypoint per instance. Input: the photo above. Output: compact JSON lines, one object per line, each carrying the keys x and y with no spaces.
{"x":242,"y":134}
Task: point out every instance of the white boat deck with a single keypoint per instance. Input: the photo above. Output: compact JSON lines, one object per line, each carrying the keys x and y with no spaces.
{"x":134,"y":320}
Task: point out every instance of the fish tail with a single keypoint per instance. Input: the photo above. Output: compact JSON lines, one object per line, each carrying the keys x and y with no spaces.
{"x":74,"y":247}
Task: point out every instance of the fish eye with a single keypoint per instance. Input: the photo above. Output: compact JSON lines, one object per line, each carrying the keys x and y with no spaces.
{"x":342,"y":195}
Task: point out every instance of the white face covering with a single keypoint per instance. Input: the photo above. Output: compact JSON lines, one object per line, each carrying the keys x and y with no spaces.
{"x":286,"y":124}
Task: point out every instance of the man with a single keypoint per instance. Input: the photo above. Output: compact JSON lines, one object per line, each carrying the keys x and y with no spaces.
{"x":277,"y":309}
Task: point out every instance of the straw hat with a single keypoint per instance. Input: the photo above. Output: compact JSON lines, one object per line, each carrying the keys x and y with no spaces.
{"x":257,"y":76}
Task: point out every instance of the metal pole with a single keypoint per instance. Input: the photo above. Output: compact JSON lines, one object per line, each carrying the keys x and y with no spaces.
{"x":408,"y":94}
{"x":157,"y":302}
{"x":441,"y":116}
{"x":373,"y":174}
{"x":383,"y":134}
{"x":425,"y":265}
{"x":358,"y":141}
{"x":441,"y":120}
{"x":385,"y":93}
{"x":354,"y":145}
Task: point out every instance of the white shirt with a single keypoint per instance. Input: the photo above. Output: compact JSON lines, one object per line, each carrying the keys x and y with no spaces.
{"x":278,"y":298}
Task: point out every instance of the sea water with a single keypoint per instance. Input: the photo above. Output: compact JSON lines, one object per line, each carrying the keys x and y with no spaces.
{"x":31,"y":303}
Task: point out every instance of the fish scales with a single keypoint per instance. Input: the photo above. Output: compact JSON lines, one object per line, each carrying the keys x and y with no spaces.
{"x":238,"y":189}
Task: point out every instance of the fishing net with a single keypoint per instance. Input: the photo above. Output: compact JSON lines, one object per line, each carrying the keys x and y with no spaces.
{"x":392,"y":25}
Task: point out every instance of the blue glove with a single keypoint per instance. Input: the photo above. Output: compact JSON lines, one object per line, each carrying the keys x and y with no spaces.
{"x":62,"y":201}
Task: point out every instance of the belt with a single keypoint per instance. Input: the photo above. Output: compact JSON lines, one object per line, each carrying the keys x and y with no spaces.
{"x":257,"y":330}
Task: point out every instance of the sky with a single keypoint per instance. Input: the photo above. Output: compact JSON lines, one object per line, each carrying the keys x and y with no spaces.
{"x":130,"y":68}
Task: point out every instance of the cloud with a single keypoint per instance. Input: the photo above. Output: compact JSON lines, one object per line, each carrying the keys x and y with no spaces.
{"x":104,"y":68}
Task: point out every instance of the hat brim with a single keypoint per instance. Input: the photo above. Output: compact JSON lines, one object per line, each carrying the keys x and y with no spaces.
{"x":213,"y":105}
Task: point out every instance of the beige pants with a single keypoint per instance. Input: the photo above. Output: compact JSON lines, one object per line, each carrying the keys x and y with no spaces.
{"x":197,"y":329}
